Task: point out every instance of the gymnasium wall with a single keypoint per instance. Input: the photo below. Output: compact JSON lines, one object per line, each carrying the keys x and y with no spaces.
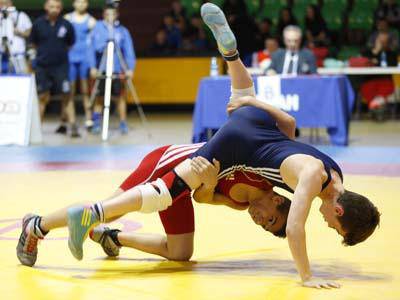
{"x":170,"y":80}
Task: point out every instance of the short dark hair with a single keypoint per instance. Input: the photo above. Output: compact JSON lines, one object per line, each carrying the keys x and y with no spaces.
{"x":359,"y":219}
{"x":283,"y":208}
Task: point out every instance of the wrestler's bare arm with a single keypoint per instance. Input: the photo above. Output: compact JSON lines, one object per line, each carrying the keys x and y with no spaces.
{"x":308,"y":187}
{"x":285,"y":122}
{"x":305,"y":175}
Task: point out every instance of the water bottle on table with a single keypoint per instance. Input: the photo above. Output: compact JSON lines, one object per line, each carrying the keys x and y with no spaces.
{"x":214,"y":67}
{"x":383,"y":60}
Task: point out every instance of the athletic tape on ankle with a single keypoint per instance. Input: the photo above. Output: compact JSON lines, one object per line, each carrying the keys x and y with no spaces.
{"x":238,"y":93}
{"x":155,"y":196}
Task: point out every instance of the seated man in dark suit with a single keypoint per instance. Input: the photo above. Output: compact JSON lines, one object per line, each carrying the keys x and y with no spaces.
{"x":293,"y":60}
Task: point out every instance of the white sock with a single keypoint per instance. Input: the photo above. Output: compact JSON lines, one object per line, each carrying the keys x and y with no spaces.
{"x":35,"y":229}
{"x":97,"y":208}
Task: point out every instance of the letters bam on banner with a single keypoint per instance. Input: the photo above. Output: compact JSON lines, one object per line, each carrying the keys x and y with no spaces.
{"x":19,"y":111}
{"x":270,"y":91}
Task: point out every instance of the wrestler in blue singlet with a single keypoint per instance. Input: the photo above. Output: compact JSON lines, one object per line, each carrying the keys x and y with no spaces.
{"x":251,"y":141}
{"x":78,"y":55}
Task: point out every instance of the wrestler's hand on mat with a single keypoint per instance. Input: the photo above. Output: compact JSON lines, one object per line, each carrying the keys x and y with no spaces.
{"x":206,"y":171}
{"x":318,"y":283}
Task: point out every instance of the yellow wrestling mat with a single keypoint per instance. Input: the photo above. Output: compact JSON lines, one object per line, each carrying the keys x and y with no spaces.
{"x":233,"y":259}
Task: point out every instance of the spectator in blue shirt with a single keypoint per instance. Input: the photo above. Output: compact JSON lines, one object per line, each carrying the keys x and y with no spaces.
{"x":111,"y":28}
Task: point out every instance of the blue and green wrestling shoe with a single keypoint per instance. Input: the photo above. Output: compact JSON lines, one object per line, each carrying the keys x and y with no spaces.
{"x":81,"y":220}
{"x":215,"y":19}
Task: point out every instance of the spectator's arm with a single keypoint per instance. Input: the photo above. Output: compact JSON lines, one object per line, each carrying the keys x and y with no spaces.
{"x":34,"y":36}
{"x":70,"y":36}
{"x":128,"y":50}
{"x":91,"y":51}
{"x":24,"y":34}
{"x":92,"y":23}
{"x":377,"y":47}
{"x":24,"y":26}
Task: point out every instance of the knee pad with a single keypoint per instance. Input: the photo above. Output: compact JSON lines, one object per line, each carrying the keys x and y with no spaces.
{"x":159,"y":194}
{"x":155,"y":196}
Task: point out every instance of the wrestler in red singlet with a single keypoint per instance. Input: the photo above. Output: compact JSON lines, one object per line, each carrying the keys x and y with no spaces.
{"x":226,"y":184}
{"x":179,"y":217}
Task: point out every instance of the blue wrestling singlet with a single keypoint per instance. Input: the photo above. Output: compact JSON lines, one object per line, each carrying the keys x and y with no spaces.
{"x":78,"y":55}
{"x":251,"y":141}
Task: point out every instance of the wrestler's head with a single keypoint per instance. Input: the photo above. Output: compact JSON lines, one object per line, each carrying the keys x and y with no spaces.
{"x":270,"y":212}
{"x":353,"y":216}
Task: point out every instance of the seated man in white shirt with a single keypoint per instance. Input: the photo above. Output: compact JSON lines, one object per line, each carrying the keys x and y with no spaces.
{"x":17,"y":28}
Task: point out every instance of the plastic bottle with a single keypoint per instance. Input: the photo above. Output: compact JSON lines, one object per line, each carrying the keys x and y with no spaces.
{"x":383,"y":60}
{"x":214,"y":67}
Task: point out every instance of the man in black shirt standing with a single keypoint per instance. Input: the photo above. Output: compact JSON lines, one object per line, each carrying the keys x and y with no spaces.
{"x":52,"y":36}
